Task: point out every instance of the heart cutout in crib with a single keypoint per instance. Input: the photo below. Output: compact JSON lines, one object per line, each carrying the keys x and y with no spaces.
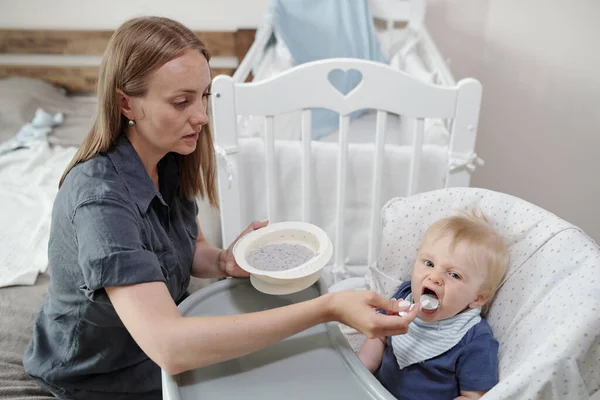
{"x":344,"y":81}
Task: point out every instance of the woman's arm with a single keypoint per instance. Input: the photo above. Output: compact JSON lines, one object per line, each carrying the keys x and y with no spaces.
{"x":178,"y":343}
{"x":208,"y":259}
{"x":371,"y":353}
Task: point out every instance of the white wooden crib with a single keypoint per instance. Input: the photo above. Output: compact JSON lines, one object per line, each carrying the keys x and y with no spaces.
{"x":338,"y":186}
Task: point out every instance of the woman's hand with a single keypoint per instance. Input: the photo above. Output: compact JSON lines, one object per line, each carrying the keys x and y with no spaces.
{"x":358,"y":309}
{"x":227,"y":260}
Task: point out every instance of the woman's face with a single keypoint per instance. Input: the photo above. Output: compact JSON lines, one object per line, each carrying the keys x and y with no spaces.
{"x":171,"y":115}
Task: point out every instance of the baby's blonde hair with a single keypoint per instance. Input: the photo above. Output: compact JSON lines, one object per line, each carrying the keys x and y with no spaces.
{"x":488,"y":250}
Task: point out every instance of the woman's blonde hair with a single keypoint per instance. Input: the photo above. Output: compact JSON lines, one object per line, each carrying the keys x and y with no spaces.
{"x":488,"y":250}
{"x":136,"y":49}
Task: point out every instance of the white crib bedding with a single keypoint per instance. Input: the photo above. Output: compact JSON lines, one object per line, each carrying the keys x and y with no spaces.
{"x":408,"y":55}
{"x":251,"y":166}
{"x":362,"y":130}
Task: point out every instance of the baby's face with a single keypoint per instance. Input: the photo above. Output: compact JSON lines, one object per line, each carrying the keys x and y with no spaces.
{"x":447,"y":274}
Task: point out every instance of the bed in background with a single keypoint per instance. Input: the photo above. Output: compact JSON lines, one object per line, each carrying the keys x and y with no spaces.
{"x":56,"y":71}
{"x":70,"y":58}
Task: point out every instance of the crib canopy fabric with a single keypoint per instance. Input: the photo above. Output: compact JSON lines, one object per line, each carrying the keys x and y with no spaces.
{"x":320,"y":29}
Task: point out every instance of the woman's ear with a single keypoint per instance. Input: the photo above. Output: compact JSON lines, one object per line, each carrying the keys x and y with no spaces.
{"x":125,"y":104}
{"x":480,"y":300}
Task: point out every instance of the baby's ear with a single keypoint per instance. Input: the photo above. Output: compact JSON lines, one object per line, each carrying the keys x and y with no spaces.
{"x":480,"y":300}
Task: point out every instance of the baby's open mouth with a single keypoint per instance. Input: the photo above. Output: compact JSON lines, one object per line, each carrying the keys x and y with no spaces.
{"x":429,"y":300}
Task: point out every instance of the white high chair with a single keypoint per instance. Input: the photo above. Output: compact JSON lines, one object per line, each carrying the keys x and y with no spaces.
{"x":545,"y":314}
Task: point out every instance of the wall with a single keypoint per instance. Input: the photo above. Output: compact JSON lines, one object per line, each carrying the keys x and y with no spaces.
{"x":109,"y":14}
{"x":539,"y":131}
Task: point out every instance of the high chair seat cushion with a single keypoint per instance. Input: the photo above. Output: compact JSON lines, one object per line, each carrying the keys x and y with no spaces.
{"x":546,"y":314}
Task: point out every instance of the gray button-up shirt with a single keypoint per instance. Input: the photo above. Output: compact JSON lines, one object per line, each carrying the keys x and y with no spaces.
{"x":110,"y":227}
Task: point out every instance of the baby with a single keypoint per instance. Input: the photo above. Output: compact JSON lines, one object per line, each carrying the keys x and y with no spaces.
{"x":449,"y":351}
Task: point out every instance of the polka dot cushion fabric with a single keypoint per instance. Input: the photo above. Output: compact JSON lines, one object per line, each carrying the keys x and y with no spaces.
{"x":546,"y":314}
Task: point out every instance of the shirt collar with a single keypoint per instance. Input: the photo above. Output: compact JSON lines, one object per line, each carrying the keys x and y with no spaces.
{"x":130,"y":168}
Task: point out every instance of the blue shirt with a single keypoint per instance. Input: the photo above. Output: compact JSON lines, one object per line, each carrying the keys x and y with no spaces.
{"x":110,"y":227}
{"x":470,"y":365}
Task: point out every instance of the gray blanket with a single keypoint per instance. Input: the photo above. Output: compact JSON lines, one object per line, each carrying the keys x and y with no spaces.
{"x":18,"y":307}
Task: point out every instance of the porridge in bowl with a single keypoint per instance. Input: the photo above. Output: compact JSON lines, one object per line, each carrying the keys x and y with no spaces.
{"x":279,"y":257}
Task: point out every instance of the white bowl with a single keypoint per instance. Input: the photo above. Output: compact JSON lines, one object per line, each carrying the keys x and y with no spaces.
{"x":293,"y":279}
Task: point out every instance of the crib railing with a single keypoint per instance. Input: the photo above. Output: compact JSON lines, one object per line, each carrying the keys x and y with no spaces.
{"x":254,"y":53}
{"x":380,"y":128}
{"x":308,"y":86}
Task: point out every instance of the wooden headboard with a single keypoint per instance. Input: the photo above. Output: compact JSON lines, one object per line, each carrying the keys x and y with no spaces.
{"x":87,"y":46}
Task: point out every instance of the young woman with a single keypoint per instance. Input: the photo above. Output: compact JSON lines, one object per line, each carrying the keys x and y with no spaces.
{"x":125,"y":238}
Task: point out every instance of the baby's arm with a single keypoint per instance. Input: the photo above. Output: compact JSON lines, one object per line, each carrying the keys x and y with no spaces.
{"x":470,"y":395}
{"x":371,"y":353}
{"x":477,"y":367}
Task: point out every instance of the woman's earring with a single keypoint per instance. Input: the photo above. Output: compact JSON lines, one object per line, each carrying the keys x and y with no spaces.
{"x":131,"y":122}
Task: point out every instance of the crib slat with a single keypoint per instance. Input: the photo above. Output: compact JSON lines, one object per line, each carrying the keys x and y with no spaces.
{"x":270,"y":168}
{"x":377,"y":178}
{"x":406,"y":128}
{"x":306,"y":167}
{"x":415,"y":165}
{"x":338,"y":269}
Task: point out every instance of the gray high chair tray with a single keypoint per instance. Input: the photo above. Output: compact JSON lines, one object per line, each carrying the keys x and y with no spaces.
{"x":315,"y":364}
